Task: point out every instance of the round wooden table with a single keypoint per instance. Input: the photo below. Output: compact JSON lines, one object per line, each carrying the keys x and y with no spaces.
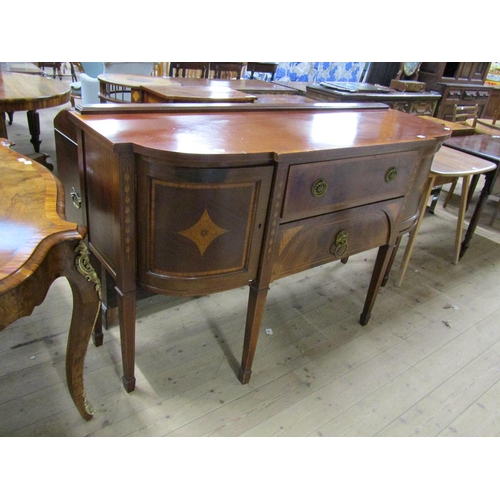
{"x":25,"y":92}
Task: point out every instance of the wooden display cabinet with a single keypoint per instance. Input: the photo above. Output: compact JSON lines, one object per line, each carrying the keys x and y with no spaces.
{"x":493,"y":103}
{"x":458,"y":83}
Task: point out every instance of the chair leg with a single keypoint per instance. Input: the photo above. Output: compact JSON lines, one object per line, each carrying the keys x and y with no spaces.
{"x":435,"y":198}
{"x":472,"y":188}
{"x":450,"y":193}
{"x":414,"y":232}
{"x":461,"y":217}
{"x":495,"y":212}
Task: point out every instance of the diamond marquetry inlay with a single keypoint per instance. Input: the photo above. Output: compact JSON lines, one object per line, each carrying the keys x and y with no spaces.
{"x":204,"y":232}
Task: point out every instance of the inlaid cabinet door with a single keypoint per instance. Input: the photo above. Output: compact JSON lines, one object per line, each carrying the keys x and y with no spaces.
{"x":202,"y":227}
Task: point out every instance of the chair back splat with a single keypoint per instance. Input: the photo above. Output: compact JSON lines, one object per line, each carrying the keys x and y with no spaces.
{"x":189,"y":69}
{"x":462,"y":113}
{"x":227,"y":70}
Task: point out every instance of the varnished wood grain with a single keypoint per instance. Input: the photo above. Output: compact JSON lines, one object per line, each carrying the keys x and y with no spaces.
{"x":173,"y":93}
{"x":255,"y":132}
{"x":32,"y":216}
{"x":25,"y":92}
{"x":37,"y":246}
{"x":20,"y":67}
{"x":21,"y":92}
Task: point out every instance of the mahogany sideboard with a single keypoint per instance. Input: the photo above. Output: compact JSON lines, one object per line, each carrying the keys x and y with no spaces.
{"x":195,"y":200}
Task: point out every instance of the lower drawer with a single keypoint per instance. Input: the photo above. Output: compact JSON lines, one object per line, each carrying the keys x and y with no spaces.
{"x":311,"y":242}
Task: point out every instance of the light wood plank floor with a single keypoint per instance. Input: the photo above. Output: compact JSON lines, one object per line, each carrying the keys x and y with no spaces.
{"x":427,"y":364}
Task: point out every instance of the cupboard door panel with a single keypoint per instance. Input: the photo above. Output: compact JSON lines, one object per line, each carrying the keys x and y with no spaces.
{"x":203,"y":227}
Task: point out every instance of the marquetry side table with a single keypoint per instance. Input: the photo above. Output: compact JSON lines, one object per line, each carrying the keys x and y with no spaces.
{"x":37,"y":246}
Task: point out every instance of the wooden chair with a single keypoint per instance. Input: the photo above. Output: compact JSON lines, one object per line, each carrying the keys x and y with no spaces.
{"x":74,"y":67}
{"x":466,"y":114}
{"x":463,"y":113}
{"x":56,"y":68}
{"x":448,"y":164}
{"x":262,"y":67}
{"x":226,"y":70}
{"x":189,"y":69}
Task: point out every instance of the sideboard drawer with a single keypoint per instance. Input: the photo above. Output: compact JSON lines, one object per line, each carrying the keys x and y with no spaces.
{"x":322,"y":187}
{"x":311,"y":242}
{"x":455,"y":95}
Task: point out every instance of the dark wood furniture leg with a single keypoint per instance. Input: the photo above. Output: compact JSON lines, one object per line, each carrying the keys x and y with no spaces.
{"x":391,"y":261}
{"x":255,"y":312}
{"x":489,"y":178}
{"x":127,"y":313}
{"x":34,"y":128}
{"x":384,"y":258}
{"x":3,"y":126}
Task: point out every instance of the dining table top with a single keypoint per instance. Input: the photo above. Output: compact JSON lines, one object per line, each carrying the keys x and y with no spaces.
{"x":457,"y":128}
{"x":21,"y":67}
{"x":482,"y":145}
{"x":177,"y":93}
{"x":23,"y":92}
{"x":242,"y":85}
{"x":486,"y":126}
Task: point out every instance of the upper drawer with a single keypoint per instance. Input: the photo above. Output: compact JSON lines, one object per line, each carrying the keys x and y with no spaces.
{"x":322,"y":187}
{"x":455,"y":94}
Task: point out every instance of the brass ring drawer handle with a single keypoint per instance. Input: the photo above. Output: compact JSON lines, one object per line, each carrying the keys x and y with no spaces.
{"x":391,"y":174}
{"x":319,"y":188}
{"x":339,"y":246}
{"x":76,"y":198}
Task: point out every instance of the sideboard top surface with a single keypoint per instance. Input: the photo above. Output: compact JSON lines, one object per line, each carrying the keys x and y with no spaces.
{"x":258,"y":131}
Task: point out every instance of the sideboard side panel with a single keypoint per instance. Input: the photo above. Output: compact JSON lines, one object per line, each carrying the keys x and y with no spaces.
{"x":103,"y":195}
